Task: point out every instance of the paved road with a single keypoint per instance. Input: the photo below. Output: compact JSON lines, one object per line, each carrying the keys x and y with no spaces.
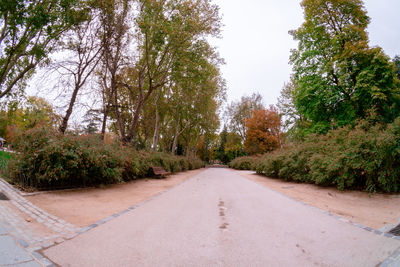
{"x":219,"y":218}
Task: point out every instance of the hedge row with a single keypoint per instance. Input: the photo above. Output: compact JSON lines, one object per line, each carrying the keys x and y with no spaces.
{"x":366,"y":157}
{"x":48,"y":160}
{"x":244,"y":163}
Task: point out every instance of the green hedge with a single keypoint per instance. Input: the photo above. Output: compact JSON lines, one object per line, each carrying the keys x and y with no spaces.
{"x":49,"y":160}
{"x":243,"y":163}
{"x":138,"y":163}
{"x":366,"y":157}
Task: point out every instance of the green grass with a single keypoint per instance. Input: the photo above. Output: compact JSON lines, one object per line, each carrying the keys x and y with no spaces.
{"x":4,"y":155}
{"x":4,"y":158}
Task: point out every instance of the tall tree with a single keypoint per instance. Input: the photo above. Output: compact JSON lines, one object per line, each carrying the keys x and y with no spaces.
{"x":286,"y":106}
{"x":263,"y":131}
{"x":238,"y":112}
{"x":114,"y":40}
{"x":338,"y":76}
{"x":28,"y":33}
{"x":84,"y":53}
{"x":32,"y":112}
{"x":167,"y":33}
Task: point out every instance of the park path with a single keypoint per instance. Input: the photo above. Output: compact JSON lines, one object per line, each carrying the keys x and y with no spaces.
{"x":219,"y":218}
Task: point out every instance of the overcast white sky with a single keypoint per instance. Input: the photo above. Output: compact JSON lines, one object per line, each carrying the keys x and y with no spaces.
{"x":256,"y":44}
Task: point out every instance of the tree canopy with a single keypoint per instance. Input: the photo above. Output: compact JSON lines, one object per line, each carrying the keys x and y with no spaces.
{"x":338,"y":77}
{"x":238,"y":112}
{"x":28,"y":33}
{"x":263,"y":131}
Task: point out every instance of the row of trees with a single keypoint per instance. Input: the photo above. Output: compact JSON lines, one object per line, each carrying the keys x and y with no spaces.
{"x":341,"y":107}
{"x":337,"y":80}
{"x":145,"y":64}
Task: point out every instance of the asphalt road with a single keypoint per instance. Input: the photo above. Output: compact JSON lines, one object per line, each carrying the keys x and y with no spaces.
{"x":219,"y":218}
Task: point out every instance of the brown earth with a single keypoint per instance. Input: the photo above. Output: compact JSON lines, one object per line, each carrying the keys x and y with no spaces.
{"x":83,"y":207}
{"x":375,"y":210}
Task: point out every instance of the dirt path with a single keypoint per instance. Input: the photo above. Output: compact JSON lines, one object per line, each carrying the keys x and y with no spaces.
{"x":219,"y":218}
{"x":374,"y":211}
{"x":86,"y":206}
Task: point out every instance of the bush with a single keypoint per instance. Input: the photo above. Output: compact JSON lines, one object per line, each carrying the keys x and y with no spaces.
{"x":46,"y":160}
{"x":138,"y":164}
{"x":365,"y":157}
{"x":243,"y":163}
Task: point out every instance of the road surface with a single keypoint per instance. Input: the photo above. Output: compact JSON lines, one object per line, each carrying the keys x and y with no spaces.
{"x":219,"y":218}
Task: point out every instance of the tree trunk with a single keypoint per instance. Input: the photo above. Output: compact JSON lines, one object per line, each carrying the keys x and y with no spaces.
{"x":104,"y":124}
{"x":135,"y":120}
{"x":156,"y":131}
{"x":65,"y":120}
{"x":175,"y":142}
{"x":105,"y":115}
{"x":118,"y":117}
{"x":156,"y":125}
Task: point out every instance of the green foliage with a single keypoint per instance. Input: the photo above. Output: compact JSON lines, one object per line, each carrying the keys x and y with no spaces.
{"x":219,"y":152}
{"x":29,"y":31}
{"x":139,"y":163}
{"x":366,"y":157}
{"x":396,"y":62}
{"x":337,"y":76}
{"x":244,"y":163}
{"x":19,"y":117}
{"x":4,"y":158}
{"x":226,"y":147}
{"x":47,"y":159}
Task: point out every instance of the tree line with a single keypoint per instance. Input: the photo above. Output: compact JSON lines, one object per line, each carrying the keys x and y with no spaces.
{"x":340,"y":110}
{"x":147,"y":64}
{"x":338,"y":80}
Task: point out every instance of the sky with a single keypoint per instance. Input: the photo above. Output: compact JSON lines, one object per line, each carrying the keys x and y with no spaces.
{"x":256,"y":45}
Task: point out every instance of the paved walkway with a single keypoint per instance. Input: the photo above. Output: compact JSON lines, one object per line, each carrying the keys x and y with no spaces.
{"x":12,"y":253}
{"x":20,"y":240}
{"x":218,"y":218}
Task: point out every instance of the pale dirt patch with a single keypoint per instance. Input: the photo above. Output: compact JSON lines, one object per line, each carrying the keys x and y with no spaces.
{"x":83,"y":207}
{"x":375,"y":210}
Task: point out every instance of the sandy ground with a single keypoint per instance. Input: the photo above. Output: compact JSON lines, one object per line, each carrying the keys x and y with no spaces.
{"x":83,"y":207}
{"x":374,"y":211}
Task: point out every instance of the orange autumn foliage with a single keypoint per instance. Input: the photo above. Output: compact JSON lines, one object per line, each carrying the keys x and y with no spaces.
{"x":263,"y":131}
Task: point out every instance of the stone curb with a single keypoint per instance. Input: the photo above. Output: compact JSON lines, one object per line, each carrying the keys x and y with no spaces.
{"x":33,"y":255}
{"x":63,"y":229}
{"x":392,"y":261}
